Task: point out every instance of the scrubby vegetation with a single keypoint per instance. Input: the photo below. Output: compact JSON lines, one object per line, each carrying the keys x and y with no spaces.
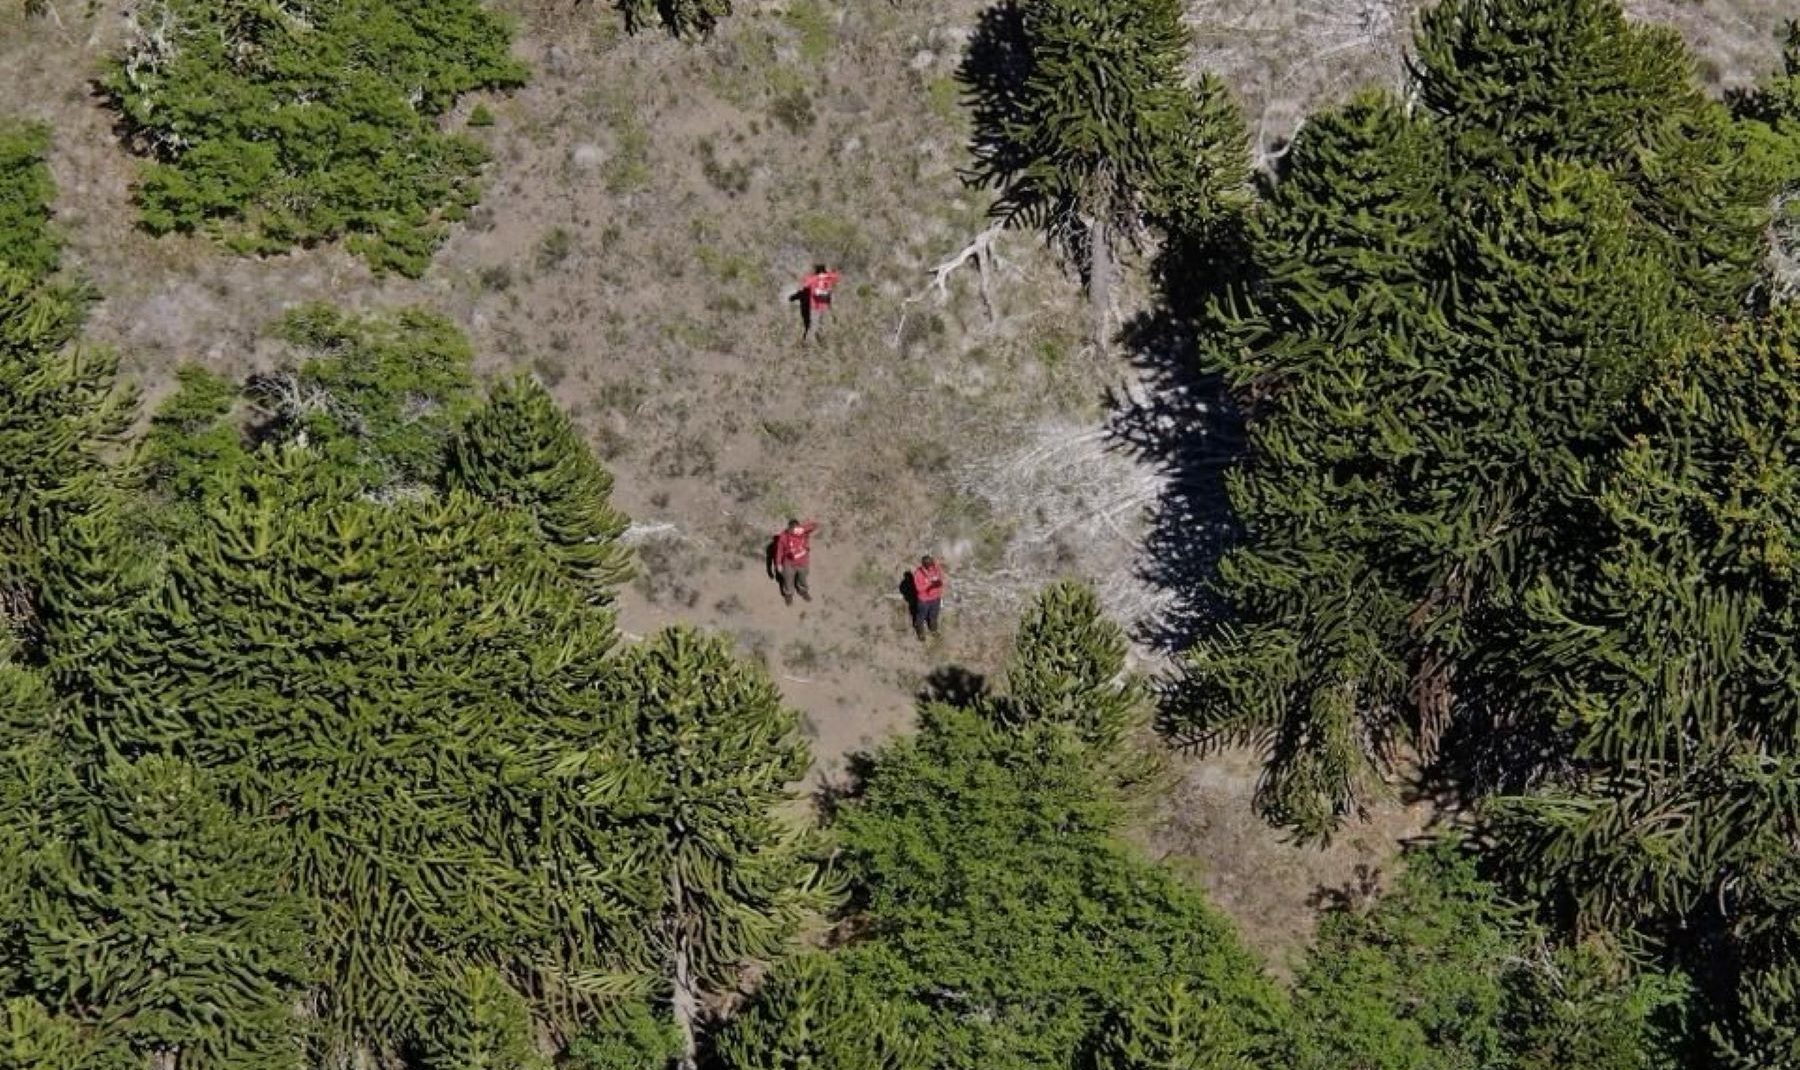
{"x":272,"y":125}
{"x":321,"y":745}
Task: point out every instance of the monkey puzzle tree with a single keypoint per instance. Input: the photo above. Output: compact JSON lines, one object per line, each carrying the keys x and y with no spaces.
{"x":1068,"y":668}
{"x":704,"y":780}
{"x":521,"y":450}
{"x":1667,"y":662}
{"x":1444,"y":314}
{"x":26,"y":242}
{"x":59,"y":407}
{"x":1100,"y":129}
{"x":386,"y":688}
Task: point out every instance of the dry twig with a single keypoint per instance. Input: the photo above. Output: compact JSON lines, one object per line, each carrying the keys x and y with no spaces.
{"x":980,"y":250}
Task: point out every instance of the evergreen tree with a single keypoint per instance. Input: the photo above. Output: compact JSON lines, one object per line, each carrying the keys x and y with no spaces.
{"x":628,"y":1035}
{"x":813,"y":1013}
{"x":31,"y":1038}
{"x":390,"y":690}
{"x":190,"y":443}
{"x":167,"y":919}
{"x":1068,"y":668}
{"x":1511,"y":81}
{"x":26,"y":242}
{"x":521,"y":449}
{"x":707,"y":776}
{"x":483,"y":1023}
{"x":1444,"y":316}
{"x":274,"y":124}
{"x":1175,"y":1026}
{"x":1001,"y":919}
{"x":1103,"y":131}
{"x":1442,"y":973}
{"x":1666,"y":659}
{"x":59,"y":407}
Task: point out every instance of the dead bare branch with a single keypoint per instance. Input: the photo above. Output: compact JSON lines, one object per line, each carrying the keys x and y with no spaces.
{"x":980,"y":250}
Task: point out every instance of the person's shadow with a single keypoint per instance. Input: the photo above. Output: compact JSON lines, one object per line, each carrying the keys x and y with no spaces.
{"x":806,"y":317}
{"x":909,"y":591}
{"x":769,"y":555}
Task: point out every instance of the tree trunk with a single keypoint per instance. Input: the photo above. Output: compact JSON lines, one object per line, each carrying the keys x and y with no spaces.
{"x":1100,"y":278}
{"x":685,"y":1001}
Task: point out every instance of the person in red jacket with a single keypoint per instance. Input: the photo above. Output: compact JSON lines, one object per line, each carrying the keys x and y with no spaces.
{"x":928,"y":596}
{"x":815,"y":298}
{"x":793,"y":554}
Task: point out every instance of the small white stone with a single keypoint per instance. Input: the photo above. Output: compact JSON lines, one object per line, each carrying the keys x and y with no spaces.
{"x":587,"y":156}
{"x":922,"y":59}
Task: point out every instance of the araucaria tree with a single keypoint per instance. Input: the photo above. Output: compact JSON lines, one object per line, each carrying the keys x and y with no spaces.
{"x":1099,"y":130}
{"x":60,"y":405}
{"x":1447,"y":310}
{"x":705,"y":782}
{"x":403,"y":679}
{"x":521,"y":450}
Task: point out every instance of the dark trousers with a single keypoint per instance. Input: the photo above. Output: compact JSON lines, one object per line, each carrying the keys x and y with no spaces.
{"x":793,"y":580}
{"x":925,"y":616}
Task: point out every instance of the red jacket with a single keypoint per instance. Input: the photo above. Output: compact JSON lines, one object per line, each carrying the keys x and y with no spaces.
{"x":818,"y":287}
{"x":928,"y":583}
{"x":791,"y":546}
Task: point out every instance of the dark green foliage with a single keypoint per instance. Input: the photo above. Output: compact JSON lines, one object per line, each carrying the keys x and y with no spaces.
{"x":1068,"y":668}
{"x":1105,"y":123}
{"x":1442,"y":974}
{"x":1509,"y":81}
{"x":1416,"y":982}
{"x":404,"y":680}
{"x":1765,"y":1031}
{"x":209,"y":966}
{"x":483,"y":1024}
{"x":1581,"y":1007}
{"x":1668,"y":661}
{"x":273,"y":125}
{"x":59,"y":407}
{"x":1444,"y":315}
{"x":814,"y":1014}
{"x":380,"y":395}
{"x":26,"y":243}
{"x":1178,"y":1026}
{"x":628,"y":1035}
{"x":33,"y":1039}
{"x":190,"y":443}
{"x":1004,"y":922}
{"x":681,"y":18}
{"x":521,"y":450}
{"x":1771,"y":138}
{"x":711,"y":756}
{"x":1099,"y":128}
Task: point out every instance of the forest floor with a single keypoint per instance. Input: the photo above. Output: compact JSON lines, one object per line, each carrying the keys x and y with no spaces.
{"x":652,"y":205}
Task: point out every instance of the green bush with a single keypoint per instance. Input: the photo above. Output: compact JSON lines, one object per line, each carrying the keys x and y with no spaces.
{"x":26,"y":243}
{"x":1441,"y":973}
{"x":273,"y":125}
{"x":629,"y":1036}
{"x":380,"y":394}
{"x":1007,"y":926}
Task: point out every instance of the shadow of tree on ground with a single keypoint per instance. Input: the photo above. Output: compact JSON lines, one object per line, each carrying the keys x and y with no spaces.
{"x":1182,"y":419}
